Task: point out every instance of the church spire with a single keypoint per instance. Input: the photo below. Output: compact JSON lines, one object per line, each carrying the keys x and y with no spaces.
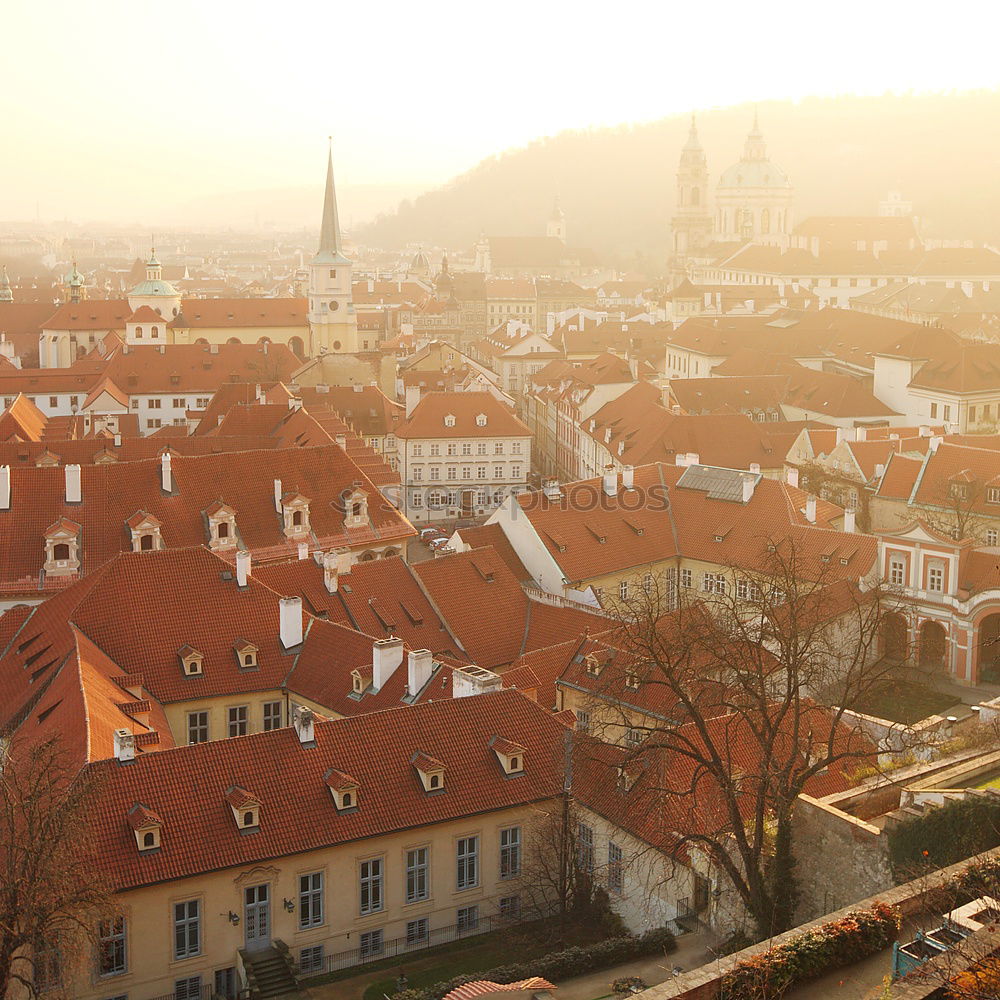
{"x":6,"y":295}
{"x":329,"y":234}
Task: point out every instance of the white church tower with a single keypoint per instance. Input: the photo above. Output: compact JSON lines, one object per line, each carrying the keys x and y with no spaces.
{"x":333,"y":325}
{"x":556,"y":226}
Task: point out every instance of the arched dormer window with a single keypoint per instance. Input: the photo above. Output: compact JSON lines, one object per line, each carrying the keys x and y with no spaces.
{"x":295,"y":515}
{"x":147,"y":827}
{"x":221,"y":527}
{"x":145,"y":532}
{"x":62,"y":548}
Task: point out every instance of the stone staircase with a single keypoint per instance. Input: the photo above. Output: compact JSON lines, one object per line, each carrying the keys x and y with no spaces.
{"x":918,"y":802}
{"x":270,"y":973}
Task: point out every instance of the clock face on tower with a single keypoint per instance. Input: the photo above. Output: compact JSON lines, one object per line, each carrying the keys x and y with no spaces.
{"x":334,"y":306}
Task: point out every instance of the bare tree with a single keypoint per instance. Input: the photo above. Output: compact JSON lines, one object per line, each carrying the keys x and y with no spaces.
{"x":52,"y":895}
{"x":957,"y":507}
{"x":756,"y":676}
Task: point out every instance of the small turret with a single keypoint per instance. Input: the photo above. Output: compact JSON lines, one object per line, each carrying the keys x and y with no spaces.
{"x":6,"y":295}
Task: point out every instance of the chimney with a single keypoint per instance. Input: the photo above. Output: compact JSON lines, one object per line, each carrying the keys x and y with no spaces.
{"x":124,"y":746}
{"x":304,"y":724}
{"x":879,"y":470}
{"x":341,"y":440}
{"x":330,"y":572}
{"x":840,"y":435}
{"x":610,"y":482}
{"x":258,"y":392}
{"x":693,"y":458}
{"x":118,"y":440}
{"x":74,"y":487}
{"x":344,"y":561}
{"x":303,"y":550}
{"x":166,"y":474}
{"x":811,"y":509}
{"x":861,"y":433}
{"x":387,"y":654}
{"x":213,"y":348}
{"x":792,"y":475}
{"x":290,"y":621}
{"x":412,"y":398}
{"x":242,"y":568}
{"x":934,"y":442}
{"x":925,"y":431}
{"x":749,"y":485}
{"x":277,"y":496}
{"x":755,"y":468}
{"x":4,"y":487}
{"x":628,"y":477}
{"x":680,"y":458}
{"x":419,"y":667}
{"x":849,"y":522}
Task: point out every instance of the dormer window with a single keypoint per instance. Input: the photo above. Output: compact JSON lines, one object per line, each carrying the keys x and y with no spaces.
{"x":481,"y":420}
{"x":355,"y":508}
{"x":626,"y":779}
{"x":145,"y":532}
{"x":429,"y":771}
{"x":343,"y":789}
{"x":632,"y":680}
{"x":246,"y":654}
{"x":192,"y":661}
{"x":221,"y":527}
{"x":361,"y":679}
{"x":449,"y":420}
{"x":246,"y":809}
{"x":62,"y":548}
{"x":147,"y":828}
{"x":510,"y":755}
{"x":295,"y":515}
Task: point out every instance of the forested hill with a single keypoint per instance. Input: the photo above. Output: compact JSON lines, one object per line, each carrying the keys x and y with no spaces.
{"x":616,"y":185}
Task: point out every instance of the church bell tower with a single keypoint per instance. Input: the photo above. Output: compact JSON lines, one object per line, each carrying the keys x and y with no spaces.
{"x":692,"y":223}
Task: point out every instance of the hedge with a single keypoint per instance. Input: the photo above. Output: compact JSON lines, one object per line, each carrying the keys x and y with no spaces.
{"x":839,"y":943}
{"x":559,"y":964}
{"x":944,"y":836}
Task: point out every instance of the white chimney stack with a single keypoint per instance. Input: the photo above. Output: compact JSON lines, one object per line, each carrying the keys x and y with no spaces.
{"x":330,"y":572}
{"x":419,"y":667}
{"x":74,"y":486}
{"x":861,"y":433}
{"x":628,"y":477}
{"x":840,"y":435}
{"x":879,"y":470}
{"x":290,"y":621}
{"x":749,"y":484}
{"x":166,"y":473}
{"x":387,"y":655}
{"x":793,"y":478}
{"x":303,"y":550}
{"x":242,"y":567}
{"x":680,"y":459}
{"x":925,"y":431}
{"x":304,"y":723}
{"x":344,"y":561}
{"x":124,"y":746}
{"x":934,"y":443}
{"x":277,"y":496}
{"x":412,"y":399}
{"x":849,"y":522}
{"x":694,"y":458}
{"x":610,"y":483}
{"x":4,"y":487}
{"x":755,"y":468}
{"x":811,"y":510}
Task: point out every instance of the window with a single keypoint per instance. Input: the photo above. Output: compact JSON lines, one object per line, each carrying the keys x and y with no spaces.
{"x":47,"y":973}
{"x":946,"y":412}
{"x":435,"y":472}
{"x":180,"y":404}
{"x":467,"y":918}
{"x":272,"y":715}
{"x":467,"y":472}
{"x":897,"y":571}
{"x":582,"y":721}
{"x":633,"y":736}
{"x":371,"y":885}
{"x":993,"y":494}
{"x":418,"y":450}
{"x":112,"y":959}
{"x":972,"y":414}
{"x":452,"y":448}
{"x":481,"y":448}
{"x":515,"y":448}
{"x":188,"y":988}
{"x":311,"y":959}
{"x":992,"y":536}
{"x":225,"y":983}
{"x":238,"y":720}
{"x":935,"y":578}
{"x":53,"y":401}
{"x":417,"y":500}
{"x":435,"y":450}
{"x":616,"y":882}
{"x":417,"y":931}
{"x":311,"y":900}
{"x":515,"y":472}
{"x":197,"y":727}
{"x":466,"y":447}
{"x":154,"y":402}
{"x":686,"y":578}
{"x":371,"y":944}
{"x":584,"y":847}
{"x":202,"y":402}
{"x":416,"y":874}
{"x":467,"y":856}
{"x":623,"y":590}
{"x":510,"y":907}
{"x":418,"y":474}
{"x":510,"y":852}
{"x":498,"y":472}
{"x":933,"y":410}
{"x":452,"y":472}
{"x":187,"y":928}
{"x":154,"y":423}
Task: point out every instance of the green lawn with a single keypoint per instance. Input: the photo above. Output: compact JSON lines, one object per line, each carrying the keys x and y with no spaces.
{"x":907,"y":702}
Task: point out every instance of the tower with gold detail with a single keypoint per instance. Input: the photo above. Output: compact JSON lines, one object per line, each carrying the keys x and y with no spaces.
{"x":692,"y":222}
{"x":332,"y":323}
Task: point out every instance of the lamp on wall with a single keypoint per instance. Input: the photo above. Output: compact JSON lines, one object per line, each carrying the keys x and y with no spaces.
{"x":288,"y":904}
{"x":234,"y":918}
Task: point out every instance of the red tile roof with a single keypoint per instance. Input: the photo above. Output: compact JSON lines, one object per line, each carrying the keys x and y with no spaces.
{"x":255,"y":312}
{"x":428,"y":419}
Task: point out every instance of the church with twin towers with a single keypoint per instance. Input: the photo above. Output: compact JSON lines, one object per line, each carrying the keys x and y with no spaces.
{"x":753,"y":198}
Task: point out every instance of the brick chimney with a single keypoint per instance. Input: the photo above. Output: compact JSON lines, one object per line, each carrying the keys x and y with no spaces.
{"x":419,"y":668}
{"x":387,"y":655}
{"x":290,"y":621}
{"x":242,"y":568}
{"x":74,"y":486}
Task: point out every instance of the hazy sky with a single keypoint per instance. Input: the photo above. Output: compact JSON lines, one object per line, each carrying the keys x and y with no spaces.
{"x":132,"y":111}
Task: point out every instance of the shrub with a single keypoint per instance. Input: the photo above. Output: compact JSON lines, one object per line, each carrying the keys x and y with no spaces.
{"x":624,"y":985}
{"x":559,"y":964}
{"x":841,"y":942}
